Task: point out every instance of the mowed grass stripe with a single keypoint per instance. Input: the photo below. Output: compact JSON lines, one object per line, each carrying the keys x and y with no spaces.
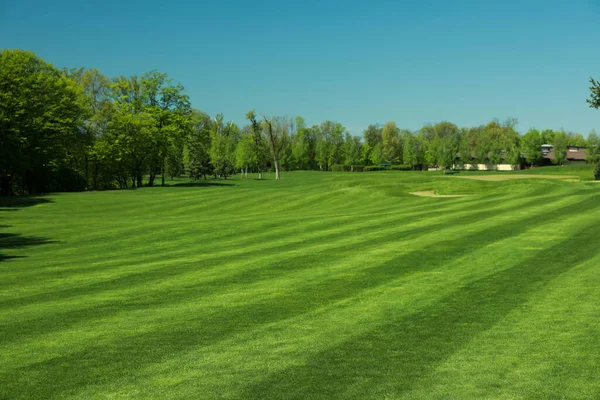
{"x":409,"y":345}
{"x":378,"y":235}
{"x":229,"y":299}
{"x":306,"y":334}
{"x":252,"y":316}
{"x":226,"y":250}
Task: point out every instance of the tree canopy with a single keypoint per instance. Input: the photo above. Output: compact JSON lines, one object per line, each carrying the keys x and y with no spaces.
{"x":77,"y":129}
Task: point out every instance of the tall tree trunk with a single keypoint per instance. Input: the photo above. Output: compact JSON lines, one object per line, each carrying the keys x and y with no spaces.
{"x":6,"y":188}
{"x":151,"y":179}
{"x":87,"y":172}
{"x":95,"y":176}
{"x":276,"y":162}
{"x":139,"y":179}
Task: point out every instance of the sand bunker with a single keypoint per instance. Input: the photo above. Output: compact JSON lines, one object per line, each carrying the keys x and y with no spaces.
{"x":431,"y":193}
{"x":502,"y":177}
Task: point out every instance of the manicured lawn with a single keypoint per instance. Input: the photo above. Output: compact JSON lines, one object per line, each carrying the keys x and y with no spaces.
{"x":321,"y":285}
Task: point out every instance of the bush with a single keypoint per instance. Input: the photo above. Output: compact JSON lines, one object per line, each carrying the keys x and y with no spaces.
{"x":597,"y":172}
{"x":399,"y":167}
{"x":347,"y":168}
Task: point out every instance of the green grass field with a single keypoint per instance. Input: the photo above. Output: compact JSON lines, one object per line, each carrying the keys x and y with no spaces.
{"x":321,"y":285}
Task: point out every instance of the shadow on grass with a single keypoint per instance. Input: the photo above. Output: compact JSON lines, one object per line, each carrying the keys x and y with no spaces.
{"x":14,"y":203}
{"x":478,"y":212}
{"x":401,"y":351}
{"x":406,"y":349}
{"x":11,"y":241}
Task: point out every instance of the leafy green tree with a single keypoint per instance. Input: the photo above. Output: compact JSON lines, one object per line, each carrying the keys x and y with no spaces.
{"x":442,"y":143}
{"x":376,"y":155}
{"x":323,"y":145}
{"x":171,"y":112}
{"x":410,"y":153}
{"x":559,"y":147}
{"x":352,"y":151}
{"x":531,"y":145}
{"x":94,"y":122}
{"x":373,"y":135}
{"x":373,"y":139}
{"x":277,"y":129}
{"x":199,"y":144}
{"x":547,"y":136}
{"x":41,"y":110}
{"x":594,"y":100}
{"x":390,"y":144}
{"x":576,"y":139}
{"x":259,"y":147}
{"x":470,"y":144}
{"x":592,"y":154}
{"x":244,"y":154}
{"x":130,"y":136}
{"x":503,"y":143}
{"x":175,"y":162}
{"x":303,"y":146}
{"x":222,"y":149}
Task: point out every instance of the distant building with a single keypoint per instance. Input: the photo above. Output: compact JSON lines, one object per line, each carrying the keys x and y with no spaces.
{"x":575,"y":154}
{"x":470,"y":164}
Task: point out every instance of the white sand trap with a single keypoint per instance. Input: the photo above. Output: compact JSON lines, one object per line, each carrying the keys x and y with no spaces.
{"x":431,"y":193}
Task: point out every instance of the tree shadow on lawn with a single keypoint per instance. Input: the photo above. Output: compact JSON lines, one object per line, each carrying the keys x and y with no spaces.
{"x":478,"y":213}
{"x":10,"y":241}
{"x":402,"y":350}
{"x":406,"y":349}
{"x":14,"y":203}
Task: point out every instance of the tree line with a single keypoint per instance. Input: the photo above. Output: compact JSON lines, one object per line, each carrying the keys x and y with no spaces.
{"x":77,"y":129}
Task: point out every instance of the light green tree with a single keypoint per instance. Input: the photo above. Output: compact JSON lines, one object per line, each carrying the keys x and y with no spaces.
{"x":390,"y":144}
{"x":531,"y":146}
{"x":244,"y":154}
{"x":352,"y":151}
{"x":259,"y":147}
{"x":592,"y":154}
{"x":199,"y":144}
{"x":559,"y":147}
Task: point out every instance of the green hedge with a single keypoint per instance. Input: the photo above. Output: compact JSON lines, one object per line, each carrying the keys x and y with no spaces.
{"x":347,"y":168}
{"x":400,"y":167}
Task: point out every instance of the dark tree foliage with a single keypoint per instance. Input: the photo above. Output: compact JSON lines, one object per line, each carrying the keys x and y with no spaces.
{"x":40,"y":114}
{"x":594,"y":100}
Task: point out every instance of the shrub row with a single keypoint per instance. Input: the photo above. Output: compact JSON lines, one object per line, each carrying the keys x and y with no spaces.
{"x":347,"y":168}
{"x":367,"y":168}
{"x":400,"y":167}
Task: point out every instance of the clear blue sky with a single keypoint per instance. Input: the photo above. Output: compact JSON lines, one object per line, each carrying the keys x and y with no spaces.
{"x":356,"y":62}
